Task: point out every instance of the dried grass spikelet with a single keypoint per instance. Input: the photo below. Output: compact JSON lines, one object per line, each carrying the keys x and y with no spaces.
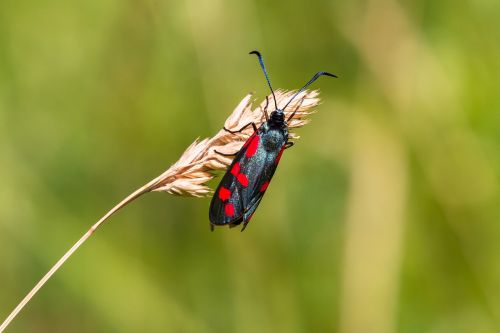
{"x":189,"y":175}
{"x":195,"y":168}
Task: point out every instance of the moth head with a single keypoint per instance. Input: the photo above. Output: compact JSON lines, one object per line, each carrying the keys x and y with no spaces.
{"x":277,"y":115}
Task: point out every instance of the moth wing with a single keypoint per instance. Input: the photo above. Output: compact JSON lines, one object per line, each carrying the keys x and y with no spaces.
{"x":244,"y":183}
{"x":260,"y":185}
{"x":227,"y":205}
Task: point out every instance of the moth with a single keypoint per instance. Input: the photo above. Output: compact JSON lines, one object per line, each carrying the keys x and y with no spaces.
{"x":244,"y":184}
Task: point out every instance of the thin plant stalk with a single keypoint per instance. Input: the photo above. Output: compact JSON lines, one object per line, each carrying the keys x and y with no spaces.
{"x":136,"y":194}
{"x":189,"y":175}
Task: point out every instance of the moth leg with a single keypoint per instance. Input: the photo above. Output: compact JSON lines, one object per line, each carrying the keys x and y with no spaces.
{"x":241,"y":129}
{"x":289,"y":144}
{"x":245,"y":223}
{"x":218,"y":152}
{"x":212,"y":227}
{"x":296,"y":109}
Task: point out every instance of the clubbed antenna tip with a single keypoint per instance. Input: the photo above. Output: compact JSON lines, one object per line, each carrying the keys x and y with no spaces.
{"x":261,"y":62}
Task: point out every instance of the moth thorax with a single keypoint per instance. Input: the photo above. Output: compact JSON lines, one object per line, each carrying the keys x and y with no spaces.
{"x":273,"y":140}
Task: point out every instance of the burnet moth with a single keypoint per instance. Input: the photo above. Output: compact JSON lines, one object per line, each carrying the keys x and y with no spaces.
{"x":247,"y":178}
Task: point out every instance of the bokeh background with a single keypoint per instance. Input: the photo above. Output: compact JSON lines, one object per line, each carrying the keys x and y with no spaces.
{"x":383,"y":218}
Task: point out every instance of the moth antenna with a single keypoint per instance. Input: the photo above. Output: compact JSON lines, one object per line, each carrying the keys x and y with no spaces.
{"x":261,"y":61}
{"x":314,"y":78}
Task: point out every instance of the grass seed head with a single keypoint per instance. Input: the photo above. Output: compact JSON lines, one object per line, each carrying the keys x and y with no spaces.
{"x":189,"y":175}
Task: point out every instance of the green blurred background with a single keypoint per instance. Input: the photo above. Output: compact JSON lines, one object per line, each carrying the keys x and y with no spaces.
{"x":383,"y":218}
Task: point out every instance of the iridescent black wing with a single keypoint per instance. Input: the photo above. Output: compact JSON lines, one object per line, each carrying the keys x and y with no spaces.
{"x":244,"y":184}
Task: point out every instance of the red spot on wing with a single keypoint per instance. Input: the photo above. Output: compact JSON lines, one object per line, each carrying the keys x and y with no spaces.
{"x":235,"y":170}
{"x":249,"y":218}
{"x":229,"y":210}
{"x":224,"y":193}
{"x":242,"y":178}
{"x":252,"y":147}
{"x":278,"y":158}
{"x":250,"y":139}
{"x":264,"y":186}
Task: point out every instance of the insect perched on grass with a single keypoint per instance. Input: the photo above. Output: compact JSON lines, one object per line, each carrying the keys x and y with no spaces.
{"x":247,"y":178}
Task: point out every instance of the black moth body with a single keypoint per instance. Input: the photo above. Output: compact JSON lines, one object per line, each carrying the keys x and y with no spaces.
{"x":247,"y":178}
{"x":244,"y":184}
